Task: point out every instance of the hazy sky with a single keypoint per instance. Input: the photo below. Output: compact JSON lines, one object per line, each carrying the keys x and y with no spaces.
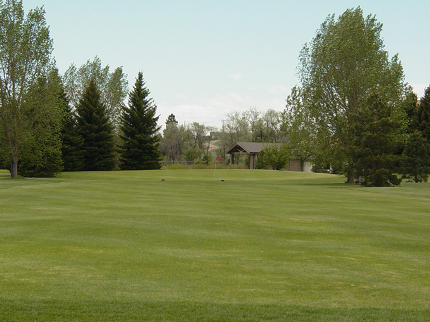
{"x":202,"y":59}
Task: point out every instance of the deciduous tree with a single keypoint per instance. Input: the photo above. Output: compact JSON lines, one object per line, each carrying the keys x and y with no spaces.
{"x":113,"y":86}
{"x":25,"y":58}
{"x":45,"y":110}
{"x":339,"y":68}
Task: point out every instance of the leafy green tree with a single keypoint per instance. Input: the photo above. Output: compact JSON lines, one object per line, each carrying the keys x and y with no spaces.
{"x":113,"y":86}
{"x":338,"y":69}
{"x":376,"y":139}
{"x":96,"y":131}
{"x":171,"y":144}
{"x":191,"y":153}
{"x":416,"y":163}
{"x":139,"y":150}
{"x":298,"y":125}
{"x":25,"y":58}
{"x":274,"y":156}
{"x":45,"y":110}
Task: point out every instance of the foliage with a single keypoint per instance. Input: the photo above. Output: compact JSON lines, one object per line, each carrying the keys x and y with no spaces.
{"x":374,"y":143}
{"x":416,"y":164}
{"x":191,"y":153}
{"x":96,"y":131}
{"x":45,"y":109}
{"x":73,"y":156}
{"x":298,"y":124}
{"x":206,"y":159}
{"x":338,"y":70}
{"x":187,"y":141}
{"x":273,"y":156}
{"x":113,"y":86}
{"x":421,"y":117}
{"x":171,"y":144}
{"x":25,"y":57}
{"x":139,"y":149}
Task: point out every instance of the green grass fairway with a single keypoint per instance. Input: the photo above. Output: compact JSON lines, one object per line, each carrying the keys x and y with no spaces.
{"x":259,"y":245}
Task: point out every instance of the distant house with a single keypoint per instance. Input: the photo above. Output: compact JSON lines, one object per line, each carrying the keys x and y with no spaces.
{"x":253,"y":148}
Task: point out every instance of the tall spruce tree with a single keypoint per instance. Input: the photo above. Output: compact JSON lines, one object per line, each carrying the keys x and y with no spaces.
{"x":421,"y":117}
{"x":73,"y":156}
{"x":416,"y":153}
{"x":96,"y":131}
{"x":416,"y":162}
{"x":374,"y":142}
{"x":138,"y":124}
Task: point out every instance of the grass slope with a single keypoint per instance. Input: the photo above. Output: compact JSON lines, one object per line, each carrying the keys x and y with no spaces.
{"x":260,"y":245}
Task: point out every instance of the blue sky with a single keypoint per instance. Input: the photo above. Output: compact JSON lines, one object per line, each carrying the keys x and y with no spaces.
{"x":202,"y":59}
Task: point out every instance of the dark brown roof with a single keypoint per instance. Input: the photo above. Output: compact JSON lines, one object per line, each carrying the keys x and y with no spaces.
{"x":247,"y":147}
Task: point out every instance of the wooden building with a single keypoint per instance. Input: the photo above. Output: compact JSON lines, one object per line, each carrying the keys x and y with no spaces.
{"x":253,"y":148}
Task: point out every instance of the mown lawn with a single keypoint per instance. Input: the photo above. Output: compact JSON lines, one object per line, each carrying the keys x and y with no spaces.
{"x":260,"y":245}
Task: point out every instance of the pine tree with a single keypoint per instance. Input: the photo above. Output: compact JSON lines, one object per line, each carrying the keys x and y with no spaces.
{"x":374,"y":144}
{"x":73,"y":157}
{"x":139,"y":129}
{"x":421,"y":118}
{"x":416,"y":163}
{"x":96,"y":131}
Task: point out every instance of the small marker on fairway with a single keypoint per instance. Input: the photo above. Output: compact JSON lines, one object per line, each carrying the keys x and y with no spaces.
{"x":222,"y":180}
{"x":162,"y":179}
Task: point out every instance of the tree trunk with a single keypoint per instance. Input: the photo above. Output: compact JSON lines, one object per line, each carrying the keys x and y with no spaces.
{"x":14,"y":167}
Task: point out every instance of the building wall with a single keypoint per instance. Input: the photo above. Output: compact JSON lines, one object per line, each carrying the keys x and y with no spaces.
{"x":295,"y":166}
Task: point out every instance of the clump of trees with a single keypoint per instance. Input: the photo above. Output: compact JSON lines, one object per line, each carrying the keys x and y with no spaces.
{"x":273,"y":156}
{"x":352,"y":112}
{"x":49,"y":123}
{"x":195,"y":141}
{"x":29,"y":110}
{"x":349,"y":102}
{"x":416,"y":153}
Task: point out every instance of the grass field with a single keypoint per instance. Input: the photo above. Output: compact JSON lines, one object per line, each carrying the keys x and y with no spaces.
{"x":259,"y":245}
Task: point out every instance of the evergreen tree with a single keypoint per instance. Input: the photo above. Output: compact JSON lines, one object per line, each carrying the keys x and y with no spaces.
{"x":138,"y":125}
{"x":45,"y":111}
{"x":374,"y":144}
{"x":421,"y":118}
{"x":73,"y":157}
{"x":96,"y":131}
{"x":416,"y":163}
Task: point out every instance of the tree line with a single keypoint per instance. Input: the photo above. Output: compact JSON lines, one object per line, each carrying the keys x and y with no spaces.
{"x":352,"y":113}
{"x":78,"y":121}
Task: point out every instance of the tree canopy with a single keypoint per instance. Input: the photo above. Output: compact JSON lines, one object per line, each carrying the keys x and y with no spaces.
{"x":113,"y":86}
{"x":25,"y":58}
{"x":339,"y":69}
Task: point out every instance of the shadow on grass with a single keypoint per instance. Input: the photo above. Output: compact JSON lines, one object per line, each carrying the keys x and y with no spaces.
{"x":40,"y":310}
